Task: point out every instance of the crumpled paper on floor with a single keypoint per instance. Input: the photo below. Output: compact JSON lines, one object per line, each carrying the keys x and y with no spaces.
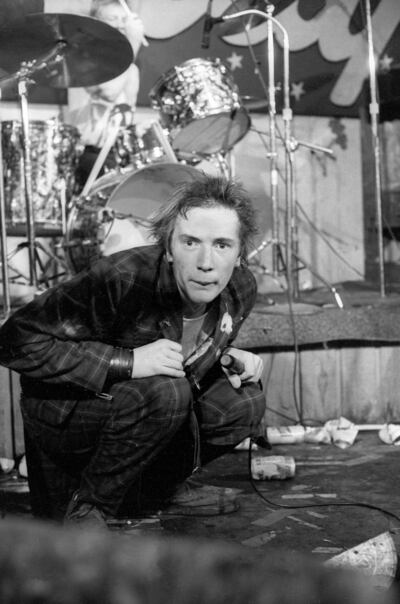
{"x":342,"y":432}
{"x":318,"y":435}
{"x":245,"y":445}
{"x":6,"y":465}
{"x":390,"y":434}
{"x":22,"y":468}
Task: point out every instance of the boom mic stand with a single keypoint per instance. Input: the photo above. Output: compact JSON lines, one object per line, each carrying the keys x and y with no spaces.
{"x":287,"y":116}
{"x":374,"y":111}
{"x":291,"y":244}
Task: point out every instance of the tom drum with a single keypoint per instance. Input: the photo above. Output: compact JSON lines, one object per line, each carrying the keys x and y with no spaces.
{"x":55,"y":149}
{"x":200,"y":106}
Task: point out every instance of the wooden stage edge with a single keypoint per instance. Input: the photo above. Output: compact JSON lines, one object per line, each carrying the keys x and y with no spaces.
{"x":320,"y":362}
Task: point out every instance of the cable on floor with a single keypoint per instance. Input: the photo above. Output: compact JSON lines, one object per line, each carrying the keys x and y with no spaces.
{"x":313,"y":505}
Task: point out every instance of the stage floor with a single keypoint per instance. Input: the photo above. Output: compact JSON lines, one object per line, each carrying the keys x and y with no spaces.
{"x":335,"y":501}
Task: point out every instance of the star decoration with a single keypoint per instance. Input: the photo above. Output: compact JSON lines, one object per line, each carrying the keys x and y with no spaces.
{"x":297,"y":90}
{"x":385,"y":63}
{"x":235,"y":61}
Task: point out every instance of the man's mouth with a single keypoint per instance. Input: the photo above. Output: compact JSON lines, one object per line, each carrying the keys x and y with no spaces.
{"x":204,"y":283}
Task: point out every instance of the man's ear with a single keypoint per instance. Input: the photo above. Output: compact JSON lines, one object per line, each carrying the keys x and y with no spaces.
{"x":169,"y":256}
{"x":237,"y":263}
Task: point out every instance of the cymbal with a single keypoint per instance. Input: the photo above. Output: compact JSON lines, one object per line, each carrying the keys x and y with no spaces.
{"x":238,"y":26}
{"x":254,"y":103}
{"x":93,"y":51}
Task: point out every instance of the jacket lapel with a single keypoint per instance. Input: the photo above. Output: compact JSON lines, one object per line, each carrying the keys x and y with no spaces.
{"x":169,"y":302}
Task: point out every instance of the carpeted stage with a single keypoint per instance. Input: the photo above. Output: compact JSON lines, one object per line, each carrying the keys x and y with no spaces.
{"x":367,"y":317}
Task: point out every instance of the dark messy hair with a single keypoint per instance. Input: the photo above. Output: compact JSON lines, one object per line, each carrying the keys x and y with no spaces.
{"x":206,"y":191}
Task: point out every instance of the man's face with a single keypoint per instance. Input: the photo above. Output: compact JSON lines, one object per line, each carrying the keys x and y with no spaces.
{"x":129,"y":24}
{"x":113,"y":15}
{"x":205,"y":248}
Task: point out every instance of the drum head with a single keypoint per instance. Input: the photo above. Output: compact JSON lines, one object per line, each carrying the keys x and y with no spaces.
{"x":140,"y":194}
{"x":115,"y":215}
{"x":212,"y":134}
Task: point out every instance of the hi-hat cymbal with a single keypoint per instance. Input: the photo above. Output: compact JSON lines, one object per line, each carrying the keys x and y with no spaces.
{"x":237,"y":26}
{"x":254,"y":103}
{"x":93,"y":52}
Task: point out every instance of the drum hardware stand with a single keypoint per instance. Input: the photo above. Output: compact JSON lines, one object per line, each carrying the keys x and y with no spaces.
{"x":164,"y":142}
{"x":299,"y":259}
{"x":106,"y":148}
{"x":225,"y":165}
{"x":294,"y":145}
{"x":23,"y":79}
{"x":3,"y":236}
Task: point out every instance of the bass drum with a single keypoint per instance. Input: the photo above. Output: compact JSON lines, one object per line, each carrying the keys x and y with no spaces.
{"x":115,"y":215}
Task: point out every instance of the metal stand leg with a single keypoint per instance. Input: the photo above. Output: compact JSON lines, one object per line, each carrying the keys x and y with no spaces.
{"x":3,"y":236}
{"x":27,"y":172}
{"x":39,"y":262}
{"x":374,"y":111}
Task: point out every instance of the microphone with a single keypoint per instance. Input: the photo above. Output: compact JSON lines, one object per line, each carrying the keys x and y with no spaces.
{"x":232,"y":363}
{"x":207,"y":27}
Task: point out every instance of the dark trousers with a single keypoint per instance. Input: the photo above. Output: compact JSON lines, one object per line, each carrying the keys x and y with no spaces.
{"x":143,"y":440}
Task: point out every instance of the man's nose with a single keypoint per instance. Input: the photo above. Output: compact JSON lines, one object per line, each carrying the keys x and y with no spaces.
{"x":205,"y":259}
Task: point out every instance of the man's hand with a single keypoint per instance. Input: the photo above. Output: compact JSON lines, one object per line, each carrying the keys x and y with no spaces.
{"x":134,"y":31}
{"x":252,"y":363}
{"x":162,"y":357}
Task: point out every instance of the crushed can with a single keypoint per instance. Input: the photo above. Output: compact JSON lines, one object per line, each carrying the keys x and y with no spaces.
{"x":285,"y":435}
{"x":272,"y":467}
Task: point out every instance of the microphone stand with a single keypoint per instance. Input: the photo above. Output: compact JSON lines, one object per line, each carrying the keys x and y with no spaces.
{"x":290,"y":227}
{"x":291,"y":245}
{"x":374,"y":111}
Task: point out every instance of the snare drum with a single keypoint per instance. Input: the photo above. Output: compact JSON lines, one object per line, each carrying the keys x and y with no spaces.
{"x":115,"y":215}
{"x":55,"y":149}
{"x":199,"y":104}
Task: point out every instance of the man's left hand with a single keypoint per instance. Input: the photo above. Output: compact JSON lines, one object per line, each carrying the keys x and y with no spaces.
{"x":253,"y":367}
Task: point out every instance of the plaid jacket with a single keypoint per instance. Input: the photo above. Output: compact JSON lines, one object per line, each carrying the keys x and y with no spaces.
{"x":65,"y":337}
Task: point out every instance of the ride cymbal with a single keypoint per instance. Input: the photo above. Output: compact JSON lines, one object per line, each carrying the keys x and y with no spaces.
{"x":92,"y":52}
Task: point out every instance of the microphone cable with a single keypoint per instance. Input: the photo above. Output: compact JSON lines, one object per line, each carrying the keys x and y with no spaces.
{"x":361,"y":504}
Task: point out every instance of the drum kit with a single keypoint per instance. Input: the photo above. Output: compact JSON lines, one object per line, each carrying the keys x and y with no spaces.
{"x":201,"y":116}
